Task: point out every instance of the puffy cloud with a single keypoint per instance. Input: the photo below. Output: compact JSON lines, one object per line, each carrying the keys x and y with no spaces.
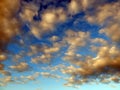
{"x":33,"y":76}
{"x":51,"y":50}
{"x":3,"y":57}
{"x":98,"y":14}
{"x":45,"y":58}
{"x":75,"y":40}
{"x":112,"y":31}
{"x":109,"y":20}
{"x":47,"y":53}
{"x":18,"y":79}
{"x":99,"y":40}
{"x":5,"y":80}
{"x":21,"y":67}
{"x":50,"y":18}
{"x":106,"y":60}
{"x":74,"y":6}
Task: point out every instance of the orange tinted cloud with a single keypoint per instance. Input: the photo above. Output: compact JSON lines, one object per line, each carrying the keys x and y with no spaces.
{"x":8,"y":22}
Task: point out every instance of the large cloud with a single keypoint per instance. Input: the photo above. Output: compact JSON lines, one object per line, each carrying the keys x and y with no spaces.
{"x":8,"y":22}
{"x":8,"y":25}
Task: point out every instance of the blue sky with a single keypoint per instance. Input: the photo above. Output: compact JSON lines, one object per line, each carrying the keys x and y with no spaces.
{"x":60,"y":45}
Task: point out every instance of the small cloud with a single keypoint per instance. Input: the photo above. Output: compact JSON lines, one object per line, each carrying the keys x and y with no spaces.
{"x":21,"y":67}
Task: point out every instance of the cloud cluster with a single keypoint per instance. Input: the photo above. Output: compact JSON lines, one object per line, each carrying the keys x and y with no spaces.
{"x":75,"y":40}
{"x":22,"y":79}
{"x":46,"y":16}
{"x":47,"y":54}
{"x":110,"y":21}
{"x":105,"y":63}
{"x":88,"y":58}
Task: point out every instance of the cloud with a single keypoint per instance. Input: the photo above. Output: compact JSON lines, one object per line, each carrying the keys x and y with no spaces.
{"x":74,"y":6}
{"x":46,"y":74}
{"x":48,"y":17}
{"x":21,"y":67}
{"x":9,"y":25}
{"x":54,"y":38}
{"x":112,"y":31}
{"x":3,"y":57}
{"x":48,"y":21}
{"x":75,"y":40}
{"x":6,"y":73}
{"x":109,"y":20}
{"x":33,"y":76}
{"x":101,"y":60}
{"x":6,"y":80}
{"x":47,"y":53}
{"x":99,"y":41}
{"x":1,"y":66}
{"x":105,"y":63}
{"x":8,"y":22}
{"x":28,"y":11}
{"x":110,"y":8}
{"x":58,"y":67}
{"x":45,"y":58}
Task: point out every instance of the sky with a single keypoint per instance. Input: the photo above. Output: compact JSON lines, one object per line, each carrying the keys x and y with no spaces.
{"x":59,"y":44}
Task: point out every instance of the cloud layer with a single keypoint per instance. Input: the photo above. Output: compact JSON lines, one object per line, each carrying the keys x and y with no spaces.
{"x":86,"y":57}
